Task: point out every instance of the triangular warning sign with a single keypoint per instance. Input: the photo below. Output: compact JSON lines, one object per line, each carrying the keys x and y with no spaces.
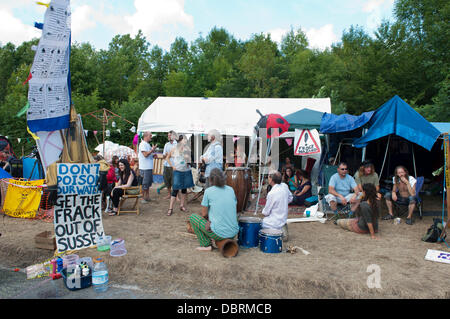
{"x":306,"y":142}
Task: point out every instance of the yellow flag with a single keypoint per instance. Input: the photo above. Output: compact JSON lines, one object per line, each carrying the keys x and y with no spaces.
{"x":43,"y":4}
{"x":35,"y":137}
{"x":22,"y":198}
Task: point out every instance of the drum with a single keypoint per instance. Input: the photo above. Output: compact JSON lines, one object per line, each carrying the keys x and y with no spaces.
{"x":249,"y":228}
{"x":240,"y":179}
{"x":271,"y":241}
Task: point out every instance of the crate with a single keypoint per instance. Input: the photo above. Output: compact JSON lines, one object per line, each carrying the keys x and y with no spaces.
{"x":45,"y":240}
{"x":84,"y":281}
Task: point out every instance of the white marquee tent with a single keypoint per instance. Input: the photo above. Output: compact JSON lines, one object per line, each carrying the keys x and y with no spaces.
{"x":231,"y":116}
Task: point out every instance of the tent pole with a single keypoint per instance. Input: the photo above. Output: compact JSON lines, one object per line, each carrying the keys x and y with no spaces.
{"x":414,"y":161}
{"x":364,"y":148}
{"x":384,"y":161}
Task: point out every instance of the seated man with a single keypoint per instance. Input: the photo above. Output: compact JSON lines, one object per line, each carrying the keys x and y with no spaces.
{"x":278,"y":199}
{"x":219,"y":217}
{"x":367,"y":175}
{"x":403,"y":193}
{"x":339,"y":189}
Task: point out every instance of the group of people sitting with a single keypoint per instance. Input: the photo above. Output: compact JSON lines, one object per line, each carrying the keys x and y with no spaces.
{"x":362,"y":193}
{"x":218,"y":217}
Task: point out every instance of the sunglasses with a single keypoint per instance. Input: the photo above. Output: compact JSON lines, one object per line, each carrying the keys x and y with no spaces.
{"x":344,"y":169}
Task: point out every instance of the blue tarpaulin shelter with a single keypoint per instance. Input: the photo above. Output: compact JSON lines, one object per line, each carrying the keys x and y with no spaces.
{"x":332,"y":123}
{"x":4,"y":174}
{"x":398,"y":118}
{"x":443,"y":127}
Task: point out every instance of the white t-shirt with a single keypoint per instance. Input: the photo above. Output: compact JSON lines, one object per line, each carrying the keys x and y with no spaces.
{"x":145,"y":162}
{"x":167,"y":148}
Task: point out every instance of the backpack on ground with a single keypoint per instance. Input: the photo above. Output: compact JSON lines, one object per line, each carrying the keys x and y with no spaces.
{"x":434,"y":232}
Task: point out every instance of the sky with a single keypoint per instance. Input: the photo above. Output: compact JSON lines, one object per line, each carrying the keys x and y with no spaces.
{"x":161,"y":21}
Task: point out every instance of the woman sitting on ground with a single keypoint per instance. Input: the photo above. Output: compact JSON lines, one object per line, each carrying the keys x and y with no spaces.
{"x":290,"y":179}
{"x":127,"y":178}
{"x":303,"y":190}
{"x":367,"y":214}
{"x":218,"y":218}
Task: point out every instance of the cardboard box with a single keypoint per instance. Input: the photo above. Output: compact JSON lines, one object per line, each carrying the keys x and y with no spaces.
{"x":45,"y":240}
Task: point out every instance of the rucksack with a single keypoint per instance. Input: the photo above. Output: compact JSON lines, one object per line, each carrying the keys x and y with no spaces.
{"x":434,"y":232}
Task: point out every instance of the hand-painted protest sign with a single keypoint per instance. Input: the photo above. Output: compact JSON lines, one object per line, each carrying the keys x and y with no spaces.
{"x":307,"y":142}
{"x":78,"y":215}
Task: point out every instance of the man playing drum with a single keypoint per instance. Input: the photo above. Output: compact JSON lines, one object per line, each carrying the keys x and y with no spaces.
{"x":218,"y":218}
{"x":278,"y":199}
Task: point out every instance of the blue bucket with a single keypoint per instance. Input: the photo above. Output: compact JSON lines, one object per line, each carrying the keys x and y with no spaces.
{"x":271,"y":241}
{"x":249,"y":228}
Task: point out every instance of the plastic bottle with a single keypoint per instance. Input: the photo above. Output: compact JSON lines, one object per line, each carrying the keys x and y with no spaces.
{"x":100,"y":275}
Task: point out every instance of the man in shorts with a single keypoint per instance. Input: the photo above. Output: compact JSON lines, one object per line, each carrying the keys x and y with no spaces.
{"x":340,"y":189}
{"x":146,"y":165}
{"x":403,"y":193}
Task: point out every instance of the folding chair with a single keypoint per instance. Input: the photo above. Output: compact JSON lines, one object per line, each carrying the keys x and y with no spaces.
{"x":133,"y":192}
{"x":419,"y":201}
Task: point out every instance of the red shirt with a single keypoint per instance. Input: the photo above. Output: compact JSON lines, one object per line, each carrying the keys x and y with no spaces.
{"x":111,"y":176}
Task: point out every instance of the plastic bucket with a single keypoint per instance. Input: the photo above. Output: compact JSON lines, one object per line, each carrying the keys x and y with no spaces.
{"x":248,"y":231}
{"x":103,"y":243}
{"x":69,"y":260}
{"x":118,"y":248}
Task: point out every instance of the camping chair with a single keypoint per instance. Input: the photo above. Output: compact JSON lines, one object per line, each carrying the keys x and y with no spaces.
{"x":199,"y":187}
{"x":133,"y":192}
{"x":419,"y":202}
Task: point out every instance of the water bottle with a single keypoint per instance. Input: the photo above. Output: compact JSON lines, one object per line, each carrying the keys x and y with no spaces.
{"x":100,"y":275}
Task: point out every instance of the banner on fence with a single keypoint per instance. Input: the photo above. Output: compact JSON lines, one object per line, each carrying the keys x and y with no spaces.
{"x":78,"y":215}
{"x":22,"y":198}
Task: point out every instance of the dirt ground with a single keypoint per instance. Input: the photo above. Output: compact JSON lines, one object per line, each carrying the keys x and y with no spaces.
{"x":162,"y":257}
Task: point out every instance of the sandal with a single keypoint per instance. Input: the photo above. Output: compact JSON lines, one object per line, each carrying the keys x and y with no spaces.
{"x":170,"y":211}
{"x":388,"y":217}
{"x":182,"y":208}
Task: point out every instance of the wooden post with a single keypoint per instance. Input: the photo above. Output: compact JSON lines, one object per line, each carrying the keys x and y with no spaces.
{"x":447,"y":179}
{"x":447,"y":173}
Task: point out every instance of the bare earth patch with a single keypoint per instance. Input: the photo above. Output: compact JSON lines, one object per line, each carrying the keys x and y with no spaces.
{"x":162,"y":258}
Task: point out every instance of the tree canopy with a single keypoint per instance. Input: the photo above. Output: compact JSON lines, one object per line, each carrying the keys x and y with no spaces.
{"x":408,"y":57}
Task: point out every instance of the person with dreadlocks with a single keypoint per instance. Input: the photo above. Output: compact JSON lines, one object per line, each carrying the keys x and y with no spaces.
{"x":366,"y":220}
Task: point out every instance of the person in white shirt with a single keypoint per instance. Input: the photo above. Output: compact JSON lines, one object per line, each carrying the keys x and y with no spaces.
{"x":278,"y":199}
{"x":213,"y":157}
{"x":146,"y":165}
{"x":403,"y":193}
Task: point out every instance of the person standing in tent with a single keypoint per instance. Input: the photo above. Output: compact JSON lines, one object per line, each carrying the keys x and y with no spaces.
{"x":179,"y":158}
{"x":146,"y":165}
{"x":213,"y":157}
{"x":403,"y":193}
{"x":168,"y":170}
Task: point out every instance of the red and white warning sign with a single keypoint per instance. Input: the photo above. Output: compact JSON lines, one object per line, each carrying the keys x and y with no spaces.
{"x":307,"y":142}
